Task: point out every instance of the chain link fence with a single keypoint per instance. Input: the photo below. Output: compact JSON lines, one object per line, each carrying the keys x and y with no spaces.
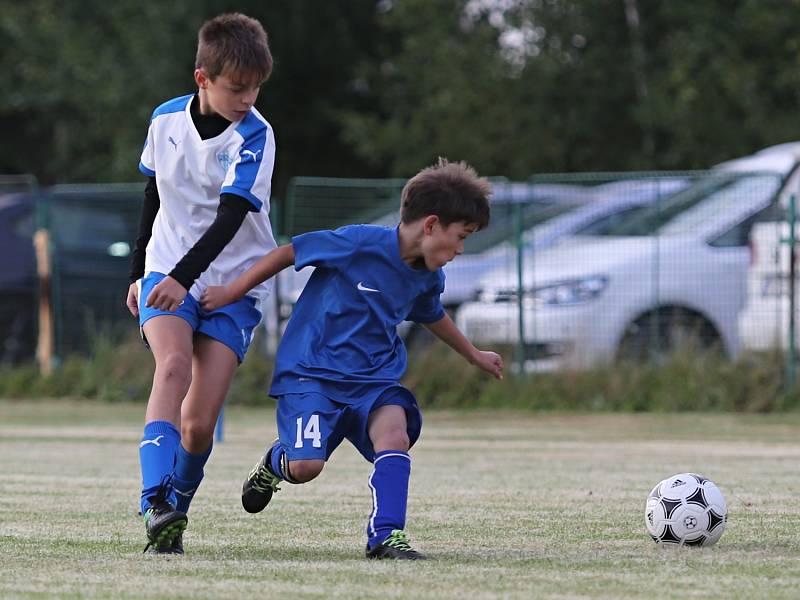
{"x":653,"y":263}
{"x":574,"y":271}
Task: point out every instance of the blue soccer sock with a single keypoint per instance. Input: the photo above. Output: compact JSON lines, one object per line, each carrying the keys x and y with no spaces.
{"x":279,"y":463}
{"x":157,"y":457}
{"x":188,"y":475}
{"x":389,"y":485}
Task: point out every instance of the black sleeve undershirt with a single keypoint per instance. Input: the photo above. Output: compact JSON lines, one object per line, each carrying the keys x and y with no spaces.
{"x":149,"y":211}
{"x":231,"y":213}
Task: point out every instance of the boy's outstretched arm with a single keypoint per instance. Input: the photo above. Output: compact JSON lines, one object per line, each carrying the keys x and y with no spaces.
{"x":267,"y":266}
{"x":446,"y":330}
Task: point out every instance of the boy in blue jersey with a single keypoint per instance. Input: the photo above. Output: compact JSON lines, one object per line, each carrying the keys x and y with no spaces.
{"x":339,"y":363}
{"x":205,"y":219}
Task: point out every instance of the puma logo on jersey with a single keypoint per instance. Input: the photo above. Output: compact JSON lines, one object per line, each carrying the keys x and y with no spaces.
{"x":255,"y":154}
{"x":154,"y":442}
{"x":174,"y":143}
{"x":364,"y":288}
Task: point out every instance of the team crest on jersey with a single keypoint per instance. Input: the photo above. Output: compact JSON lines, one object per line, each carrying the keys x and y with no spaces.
{"x":224,"y":160}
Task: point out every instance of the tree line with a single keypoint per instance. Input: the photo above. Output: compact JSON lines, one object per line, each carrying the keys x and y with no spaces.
{"x":380,"y":88}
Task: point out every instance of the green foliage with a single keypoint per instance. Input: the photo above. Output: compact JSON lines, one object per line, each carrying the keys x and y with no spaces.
{"x":383,"y":87}
{"x":122,"y":372}
{"x":685,"y":381}
{"x":82,"y":79}
{"x":584,"y":88}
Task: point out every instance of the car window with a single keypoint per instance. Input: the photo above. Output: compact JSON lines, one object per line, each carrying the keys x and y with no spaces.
{"x":611,"y":223}
{"x":502,"y":225}
{"x":749,"y":190}
{"x":687,"y":209}
{"x":738,"y":235}
{"x":92,"y":229}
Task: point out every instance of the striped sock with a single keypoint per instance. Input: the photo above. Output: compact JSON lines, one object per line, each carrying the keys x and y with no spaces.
{"x":389,"y":485}
{"x":279,"y":463}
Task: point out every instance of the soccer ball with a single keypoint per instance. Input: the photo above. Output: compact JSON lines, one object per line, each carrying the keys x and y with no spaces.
{"x":686,"y":510}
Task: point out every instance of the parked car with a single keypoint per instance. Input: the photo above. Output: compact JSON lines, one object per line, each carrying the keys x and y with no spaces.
{"x":664,"y":274}
{"x":91,"y":232}
{"x":17,"y":278}
{"x":764,"y":322}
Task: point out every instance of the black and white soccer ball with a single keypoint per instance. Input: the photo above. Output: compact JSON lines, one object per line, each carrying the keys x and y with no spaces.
{"x":686,"y":510}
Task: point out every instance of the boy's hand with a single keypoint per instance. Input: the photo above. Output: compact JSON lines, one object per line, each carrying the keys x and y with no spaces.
{"x":168,"y":295}
{"x":215,"y":296}
{"x":132,"y":301}
{"x":491,"y":362}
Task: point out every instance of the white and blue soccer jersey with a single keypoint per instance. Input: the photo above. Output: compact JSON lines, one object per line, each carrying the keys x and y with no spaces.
{"x":341,"y":340}
{"x":191,"y":173}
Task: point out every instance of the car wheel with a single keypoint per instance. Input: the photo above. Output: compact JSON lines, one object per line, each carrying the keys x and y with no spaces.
{"x":659,"y":333}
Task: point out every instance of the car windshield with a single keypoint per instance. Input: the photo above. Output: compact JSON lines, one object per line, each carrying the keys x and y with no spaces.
{"x":502,"y":224}
{"x":687,"y":210}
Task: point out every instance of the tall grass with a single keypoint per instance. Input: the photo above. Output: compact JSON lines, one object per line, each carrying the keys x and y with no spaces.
{"x":689,"y":380}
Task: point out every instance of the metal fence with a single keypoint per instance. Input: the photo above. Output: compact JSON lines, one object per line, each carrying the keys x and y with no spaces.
{"x":573,"y":271}
{"x":652,"y":263}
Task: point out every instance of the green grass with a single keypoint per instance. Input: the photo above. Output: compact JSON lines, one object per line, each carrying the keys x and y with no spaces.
{"x":512,"y":505}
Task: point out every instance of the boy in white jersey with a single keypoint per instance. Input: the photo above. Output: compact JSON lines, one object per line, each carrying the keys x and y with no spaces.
{"x":209,"y":159}
{"x":338,"y":368}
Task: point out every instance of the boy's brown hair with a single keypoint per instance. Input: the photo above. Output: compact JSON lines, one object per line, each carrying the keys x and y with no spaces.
{"x":234,"y":43}
{"x":451,"y":191}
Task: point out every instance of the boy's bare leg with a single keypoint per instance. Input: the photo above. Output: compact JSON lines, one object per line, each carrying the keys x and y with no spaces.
{"x":213,"y":368}
{"x":170,"y":340}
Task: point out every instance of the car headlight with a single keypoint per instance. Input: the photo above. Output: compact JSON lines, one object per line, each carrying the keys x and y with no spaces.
{"x":563,"y":293}
{"x":574,"y":291}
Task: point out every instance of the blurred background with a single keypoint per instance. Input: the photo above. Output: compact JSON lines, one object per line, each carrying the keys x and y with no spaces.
{"x":623,"y":228}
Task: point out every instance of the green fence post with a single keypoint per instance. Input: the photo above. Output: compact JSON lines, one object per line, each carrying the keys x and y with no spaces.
{"x":520,"y":286}
{"x":792,"y":351}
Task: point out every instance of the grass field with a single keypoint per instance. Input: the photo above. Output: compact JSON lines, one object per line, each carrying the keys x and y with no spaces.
{"x":508,"y":505}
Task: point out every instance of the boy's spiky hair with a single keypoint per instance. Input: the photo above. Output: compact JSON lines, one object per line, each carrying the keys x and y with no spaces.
{"x":450,"y":190}
{"x":236,"y":44}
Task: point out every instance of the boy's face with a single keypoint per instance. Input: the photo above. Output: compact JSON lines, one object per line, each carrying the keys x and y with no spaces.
{"x":228,"y":94}
{"x":442,"y":244}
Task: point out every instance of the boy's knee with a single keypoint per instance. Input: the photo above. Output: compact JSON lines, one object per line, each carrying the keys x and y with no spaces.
{"x":175,"y":368}
{"x":196,"y":435}
{"x":305,"y":470}
{"x":392,"y":439}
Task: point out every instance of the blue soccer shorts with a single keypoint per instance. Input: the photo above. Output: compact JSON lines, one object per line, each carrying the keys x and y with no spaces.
{"x":232,"y":324}
{"x":311,"y":425}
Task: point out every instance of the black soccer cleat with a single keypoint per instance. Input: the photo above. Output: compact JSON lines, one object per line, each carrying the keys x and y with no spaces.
{"x":176,"y":548}
{"x":260,"y":485}
{"x":163,"y":524}
{"x":395,"y":547}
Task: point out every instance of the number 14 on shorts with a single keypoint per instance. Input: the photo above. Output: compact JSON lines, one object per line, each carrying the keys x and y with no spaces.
{"x":309,"y":432}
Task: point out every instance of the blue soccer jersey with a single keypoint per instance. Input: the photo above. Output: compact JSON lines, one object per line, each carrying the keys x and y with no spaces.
{"x":341,"y":340}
